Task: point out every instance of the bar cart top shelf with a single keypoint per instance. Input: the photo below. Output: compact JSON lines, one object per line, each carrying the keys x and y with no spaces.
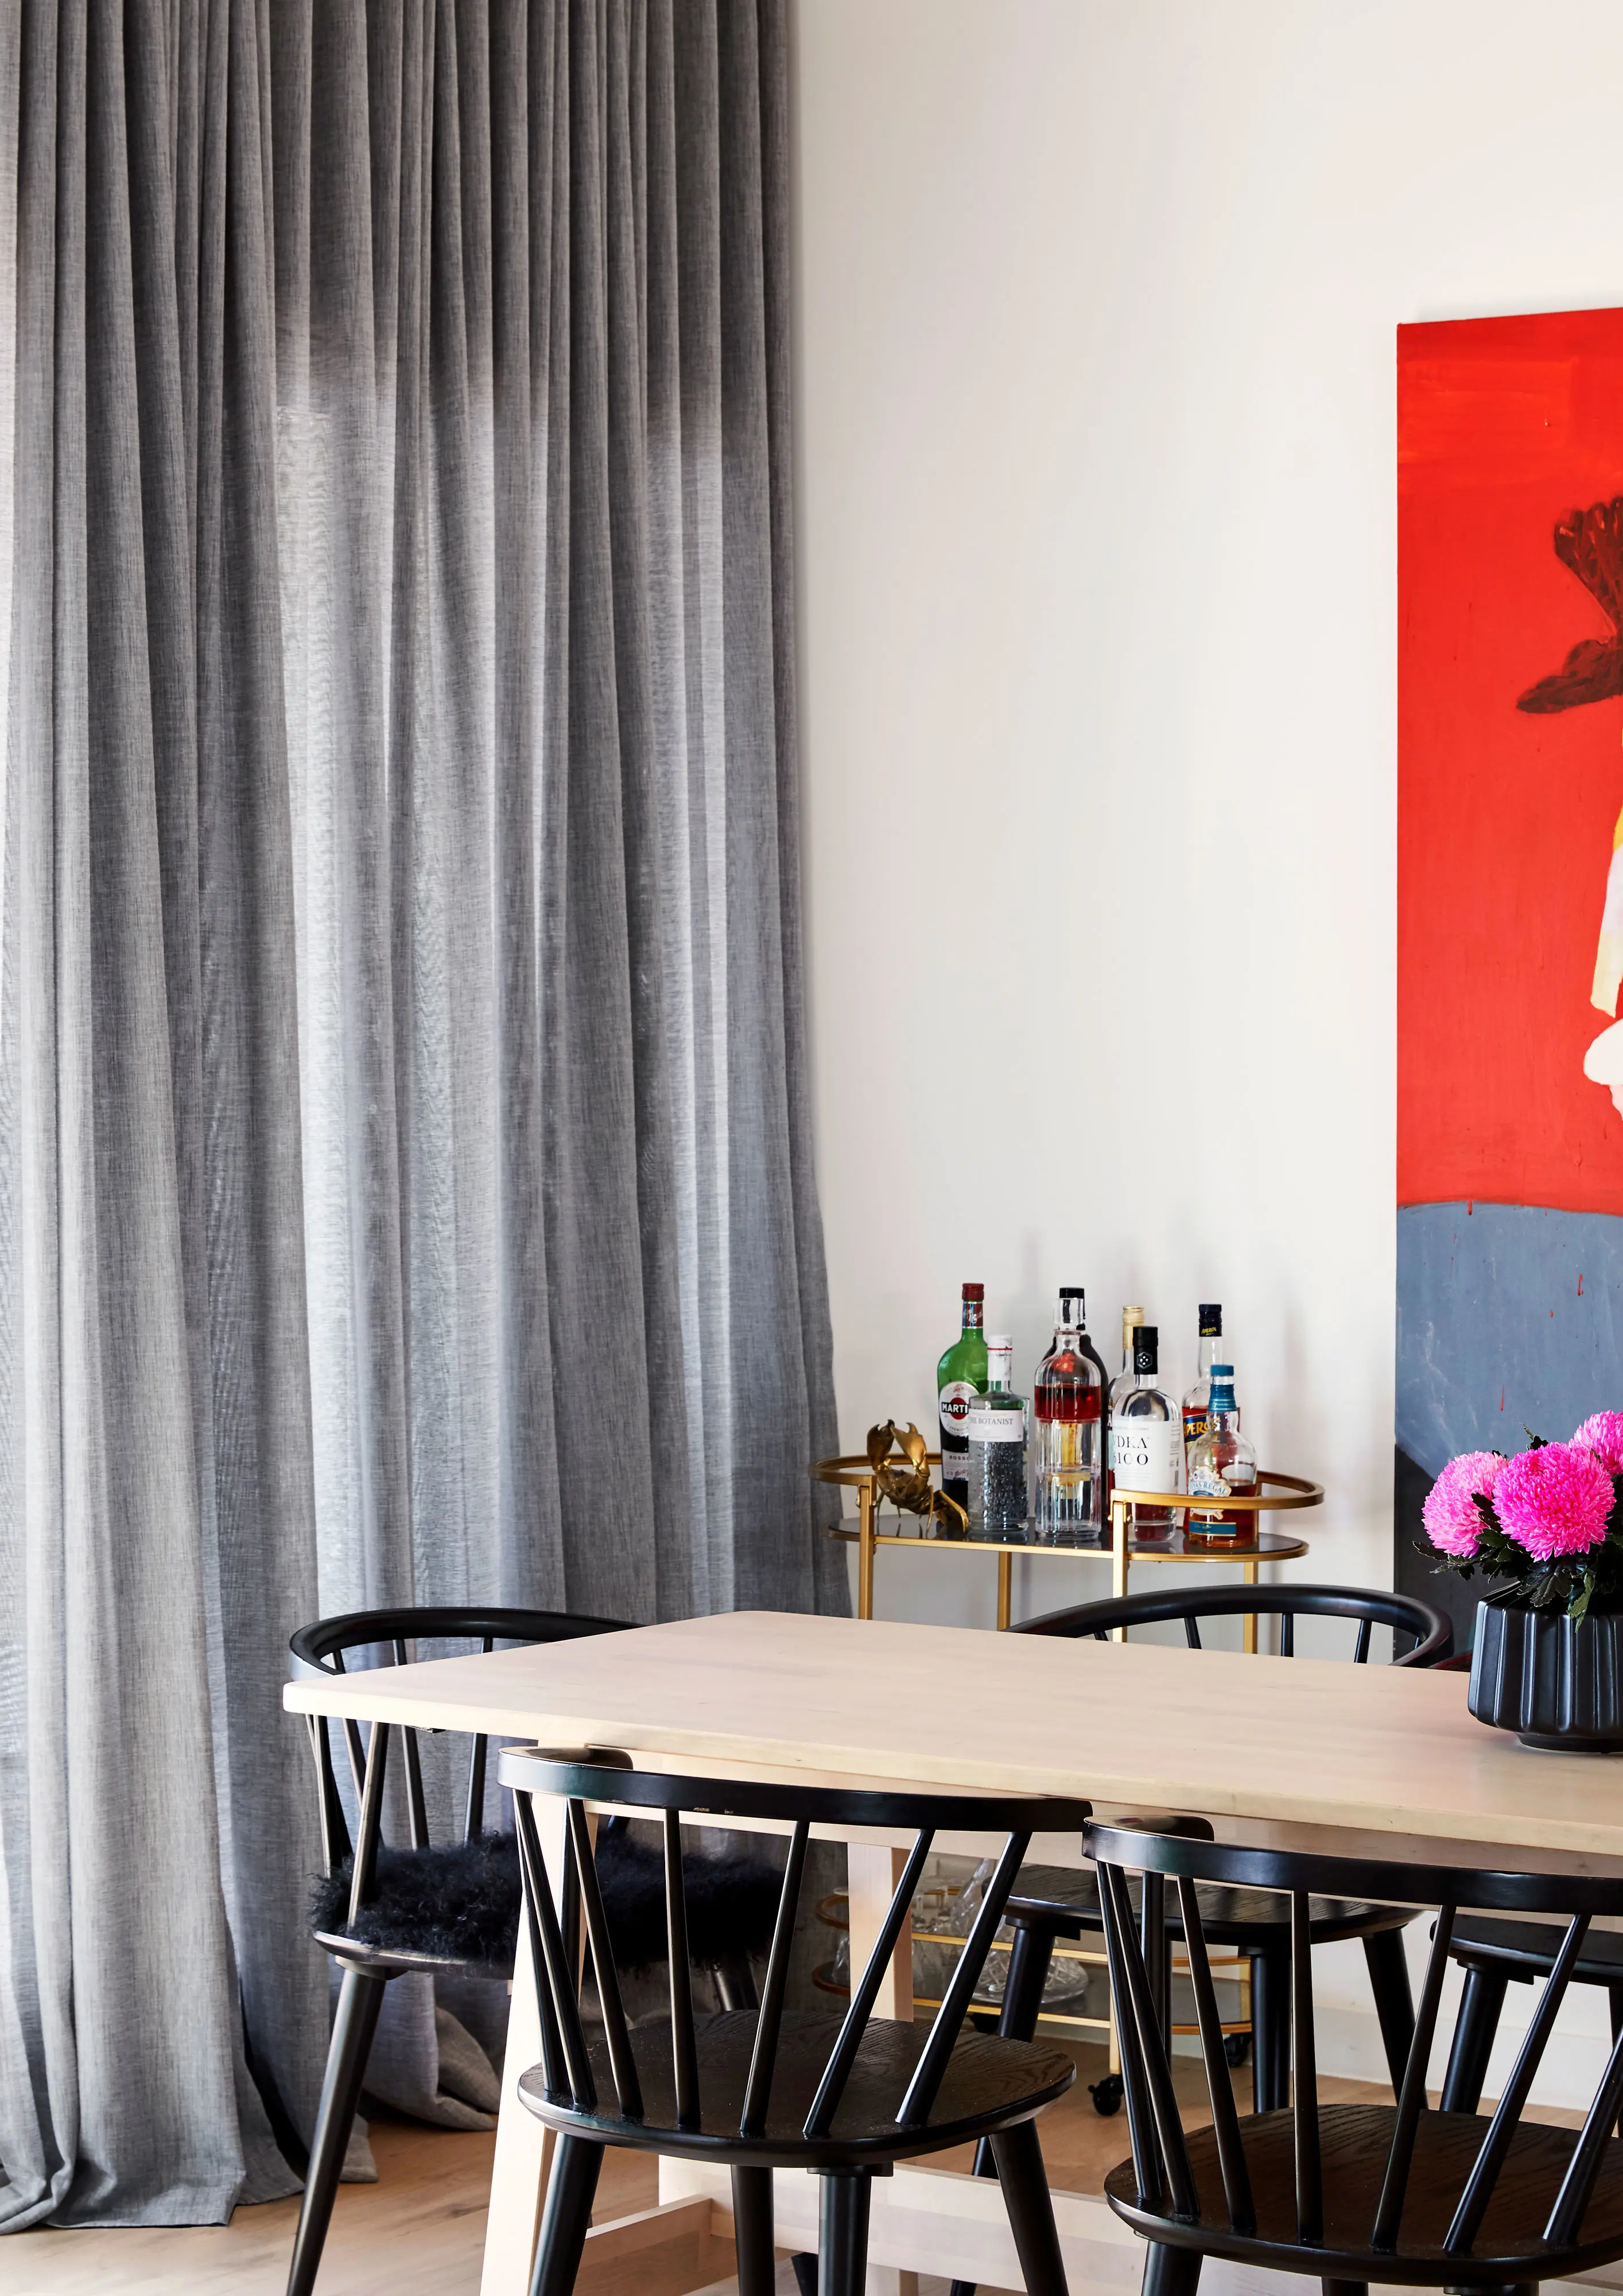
{"x":1275,"y":1493}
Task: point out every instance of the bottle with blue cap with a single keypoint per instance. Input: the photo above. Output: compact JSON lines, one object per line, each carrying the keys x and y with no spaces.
{"x":1222,"y":1465}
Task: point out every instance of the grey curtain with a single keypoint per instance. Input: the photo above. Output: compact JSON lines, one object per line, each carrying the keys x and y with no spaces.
{"x":405,"y":1180}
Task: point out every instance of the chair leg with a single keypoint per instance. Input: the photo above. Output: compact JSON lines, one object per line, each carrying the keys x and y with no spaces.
{"x":1022,"y":1993}
{"x":752,"y":2231}
{"x":735,"y":1983}
{"x":360,"y":2000}
{"x":806,"y":2273}
{"x":1023,"y":2001}
{"x":1026,"y":2196}
{"x":1270,"y":2032}
{"x":842,"y":2247}
{"x":570,"y":2191}
{"x":1389,"y":1980}
{"x":1474,"y":2040}
{"x":1170,"y":2271}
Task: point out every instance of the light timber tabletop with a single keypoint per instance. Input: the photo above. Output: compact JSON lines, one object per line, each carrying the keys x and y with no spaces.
{"x":1295,"y":1741}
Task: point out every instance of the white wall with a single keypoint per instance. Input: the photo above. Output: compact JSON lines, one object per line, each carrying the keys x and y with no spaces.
{"x":1098,"y":607}
{"x":1097,"y":543}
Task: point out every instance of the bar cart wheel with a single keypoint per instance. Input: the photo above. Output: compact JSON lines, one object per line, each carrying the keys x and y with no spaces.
{"x":1107,"y":2095}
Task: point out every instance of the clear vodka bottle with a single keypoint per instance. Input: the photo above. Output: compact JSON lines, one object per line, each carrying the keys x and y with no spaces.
{"x":1147,"y":1438}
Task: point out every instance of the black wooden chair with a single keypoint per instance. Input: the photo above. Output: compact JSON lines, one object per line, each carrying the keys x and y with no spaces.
{"x":1050,"y":1903}
{"x":774,"y":2087}
{"x":1350,"y":2193}
{"x":453,"y":1908}
{"x":1497,"y":1955}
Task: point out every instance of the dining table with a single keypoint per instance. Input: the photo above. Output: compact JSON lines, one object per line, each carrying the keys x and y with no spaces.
{"x":1267,"y":1748}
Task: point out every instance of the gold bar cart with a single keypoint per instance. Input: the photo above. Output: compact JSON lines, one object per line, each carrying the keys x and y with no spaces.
{"x":1277,"y":1493}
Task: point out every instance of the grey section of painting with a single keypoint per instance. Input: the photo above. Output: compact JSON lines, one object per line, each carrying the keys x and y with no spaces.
{"x":1507,"y":1315}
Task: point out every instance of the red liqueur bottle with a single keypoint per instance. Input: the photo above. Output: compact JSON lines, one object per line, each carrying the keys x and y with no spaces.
{"x":1068,"y":1435}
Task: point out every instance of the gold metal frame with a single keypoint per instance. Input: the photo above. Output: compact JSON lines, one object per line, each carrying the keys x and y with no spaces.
{"x":1276,"y":1493}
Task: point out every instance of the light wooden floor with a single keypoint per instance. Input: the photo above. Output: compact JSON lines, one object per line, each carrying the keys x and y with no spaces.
{"x":419,"y":2230}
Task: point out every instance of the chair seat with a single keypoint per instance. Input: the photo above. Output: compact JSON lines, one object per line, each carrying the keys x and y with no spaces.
{"x":1523,"y":1950}
{"x":1354,"y":2141}
{"x":457,"y":1906}
{"x":1066,"y":1899}
{"x":989,"y":2083}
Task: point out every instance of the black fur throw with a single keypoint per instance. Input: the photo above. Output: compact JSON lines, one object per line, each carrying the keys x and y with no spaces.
{"x":732,"y":1902}
{"x":458,"y":1903}
{"x":461,"y":1902}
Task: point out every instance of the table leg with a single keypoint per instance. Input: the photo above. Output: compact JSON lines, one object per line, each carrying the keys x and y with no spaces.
{"x":1005,"y":1593}
{"x":523,"y":2147}
{"x":1118,"y":1560}
{"x":1250,"y":1621}
{"x":873,"y":1871}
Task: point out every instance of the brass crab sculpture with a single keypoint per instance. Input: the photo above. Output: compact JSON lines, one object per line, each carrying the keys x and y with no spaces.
{"x":906,"y":1482}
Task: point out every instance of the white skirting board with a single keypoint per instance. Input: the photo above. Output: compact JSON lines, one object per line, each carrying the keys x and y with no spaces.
{"x":934,"y":2220}
{"x":937,"y":2221}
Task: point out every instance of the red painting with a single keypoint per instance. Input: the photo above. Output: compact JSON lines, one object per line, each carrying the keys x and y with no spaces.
{"x":1510,"y":1076}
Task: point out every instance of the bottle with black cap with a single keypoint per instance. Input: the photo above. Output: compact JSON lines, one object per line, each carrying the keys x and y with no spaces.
{"x":1197,"y":1403}
{"x":1147,"y":1438}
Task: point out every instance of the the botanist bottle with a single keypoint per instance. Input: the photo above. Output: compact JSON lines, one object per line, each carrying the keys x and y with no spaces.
{"x":997,"y":1432}
{"x":961,"y":1375}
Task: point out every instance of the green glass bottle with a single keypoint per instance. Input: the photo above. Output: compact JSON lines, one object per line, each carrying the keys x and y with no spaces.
{"x":961,"y":1376}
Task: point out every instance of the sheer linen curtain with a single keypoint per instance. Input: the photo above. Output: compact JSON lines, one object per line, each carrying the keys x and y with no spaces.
{"x":405,"y":1174}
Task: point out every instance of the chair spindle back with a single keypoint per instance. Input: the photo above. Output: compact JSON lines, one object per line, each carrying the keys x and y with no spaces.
{"x":599,"y":1778}
{"x":1425,"y":1632}
{"x":1184,"y":1850}
{"x":322,"y":1648}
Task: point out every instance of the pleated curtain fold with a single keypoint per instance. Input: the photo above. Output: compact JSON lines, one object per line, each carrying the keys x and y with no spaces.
{"x":405,"y":1170}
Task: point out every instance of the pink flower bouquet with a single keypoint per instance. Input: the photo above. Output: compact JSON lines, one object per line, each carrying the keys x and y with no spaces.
{"x":1546,"y":1520}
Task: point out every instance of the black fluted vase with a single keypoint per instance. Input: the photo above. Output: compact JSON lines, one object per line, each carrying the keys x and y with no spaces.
{"x":1557,"y":1682}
